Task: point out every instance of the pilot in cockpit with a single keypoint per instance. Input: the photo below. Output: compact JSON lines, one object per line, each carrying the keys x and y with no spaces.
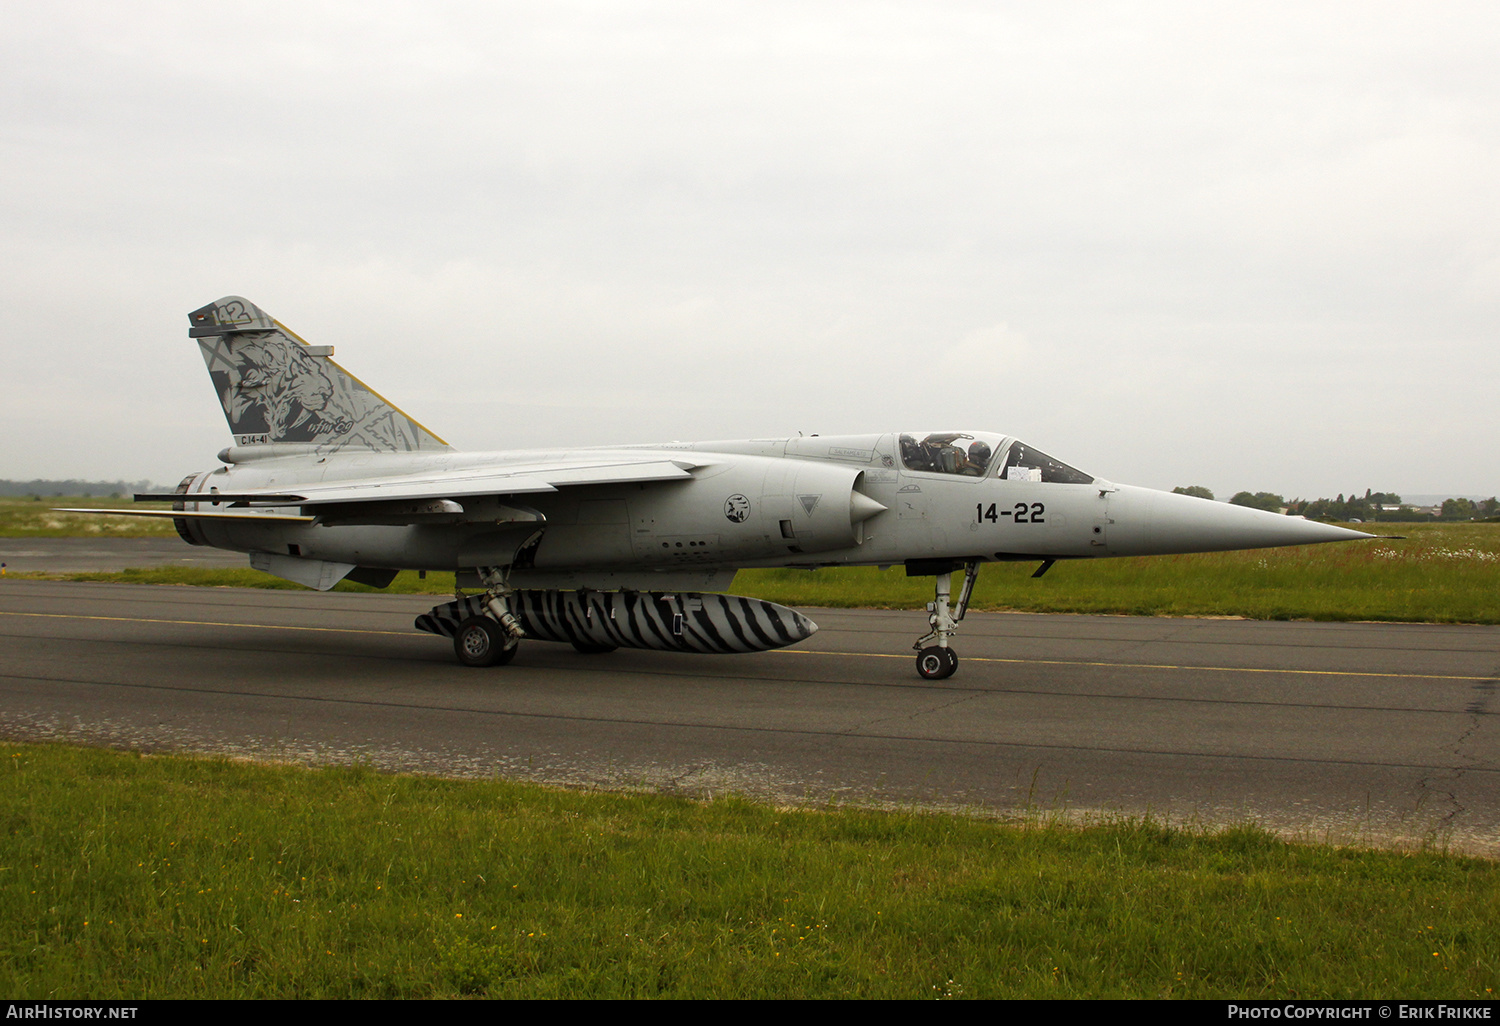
{"x":977,"y":459}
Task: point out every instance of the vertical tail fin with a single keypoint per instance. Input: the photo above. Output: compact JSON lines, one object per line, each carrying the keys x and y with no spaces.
{"x":276,"y":389}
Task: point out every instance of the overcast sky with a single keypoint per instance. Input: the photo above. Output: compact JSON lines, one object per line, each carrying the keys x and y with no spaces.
{"x":1249,"y":246}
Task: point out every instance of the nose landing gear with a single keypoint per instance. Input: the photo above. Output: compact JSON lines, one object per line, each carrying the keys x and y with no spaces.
{"x":935,"y":659}
{"x":936,"y":662}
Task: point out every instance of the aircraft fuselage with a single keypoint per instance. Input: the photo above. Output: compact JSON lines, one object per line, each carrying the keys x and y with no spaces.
{"x":624,"y":546}
{"x":804,"y":501}
{"x":761,"y":503}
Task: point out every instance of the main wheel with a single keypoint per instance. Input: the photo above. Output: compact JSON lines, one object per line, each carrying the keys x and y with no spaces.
{"x":481,"y":641}
{"x":936,"y":662}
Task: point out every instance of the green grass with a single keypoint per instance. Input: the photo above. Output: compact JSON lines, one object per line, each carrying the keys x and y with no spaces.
{"x":163,"y":877}
{"x":1441,"y":573}
{"x":34,"y":518}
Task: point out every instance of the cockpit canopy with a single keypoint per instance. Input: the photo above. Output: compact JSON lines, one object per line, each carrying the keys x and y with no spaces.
{"x":949,"y":452}
{"x":979,"y":453}
{"x":1027,"y":463}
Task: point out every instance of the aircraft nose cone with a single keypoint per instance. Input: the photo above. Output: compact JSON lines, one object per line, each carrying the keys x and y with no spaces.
{"x":1149,"y":522}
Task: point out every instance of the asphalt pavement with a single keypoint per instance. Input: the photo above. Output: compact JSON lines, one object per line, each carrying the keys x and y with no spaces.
{"x":86,"y":555}
{"x":1351,"y":732}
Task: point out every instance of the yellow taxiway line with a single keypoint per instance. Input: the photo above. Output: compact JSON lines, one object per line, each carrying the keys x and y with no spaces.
{"x":801,"y":651}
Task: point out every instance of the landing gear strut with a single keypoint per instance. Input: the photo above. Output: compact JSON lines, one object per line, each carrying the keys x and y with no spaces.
{"x":935,"y":660}
{"x":490,"y":640}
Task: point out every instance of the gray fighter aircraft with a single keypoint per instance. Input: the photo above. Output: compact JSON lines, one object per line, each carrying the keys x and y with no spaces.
{"x":635,"y":545}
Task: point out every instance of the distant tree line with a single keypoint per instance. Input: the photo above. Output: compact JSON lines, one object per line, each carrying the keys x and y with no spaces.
{"x":1371,"y":506}
{"x":39,"y":488}
{"x":1468,"y":509}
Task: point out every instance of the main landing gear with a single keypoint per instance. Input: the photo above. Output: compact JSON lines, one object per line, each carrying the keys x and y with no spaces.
{"x":935,"y":660}
{"x":481,"y":641}
{"x":490,"y":640}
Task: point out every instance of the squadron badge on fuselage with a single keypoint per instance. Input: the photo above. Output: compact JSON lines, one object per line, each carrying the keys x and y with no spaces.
{"x":737,"y":508}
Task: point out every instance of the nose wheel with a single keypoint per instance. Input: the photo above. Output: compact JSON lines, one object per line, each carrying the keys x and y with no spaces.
{"x":936,"y":660}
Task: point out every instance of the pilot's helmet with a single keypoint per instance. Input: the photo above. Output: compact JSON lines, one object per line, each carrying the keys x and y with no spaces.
{"x":979,"y":454}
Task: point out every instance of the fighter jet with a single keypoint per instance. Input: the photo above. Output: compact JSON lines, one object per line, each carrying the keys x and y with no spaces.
{"x":637,"y":545}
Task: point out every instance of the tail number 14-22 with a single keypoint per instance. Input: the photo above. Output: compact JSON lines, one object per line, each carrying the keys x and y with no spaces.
{"x":1024,"y":513}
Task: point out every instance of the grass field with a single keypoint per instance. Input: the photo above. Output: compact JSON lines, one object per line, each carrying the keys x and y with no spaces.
{"x":34,"y":518}
{"x":1440,"y":573}
{"x":166,"y":877}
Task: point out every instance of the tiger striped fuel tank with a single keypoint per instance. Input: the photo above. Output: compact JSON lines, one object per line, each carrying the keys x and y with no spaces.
{"x":668,"y":622}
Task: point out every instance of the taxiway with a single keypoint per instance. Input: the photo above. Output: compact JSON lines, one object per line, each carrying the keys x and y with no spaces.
{"x":1351,"y":732}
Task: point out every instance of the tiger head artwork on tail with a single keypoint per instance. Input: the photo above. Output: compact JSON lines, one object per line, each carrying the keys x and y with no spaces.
{"x":276,"y":389}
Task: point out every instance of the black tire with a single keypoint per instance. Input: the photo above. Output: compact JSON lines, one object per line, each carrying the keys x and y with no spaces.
{"x":936,"y":662}
{"x":481,"y":641}
{"x":594,"y":647}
